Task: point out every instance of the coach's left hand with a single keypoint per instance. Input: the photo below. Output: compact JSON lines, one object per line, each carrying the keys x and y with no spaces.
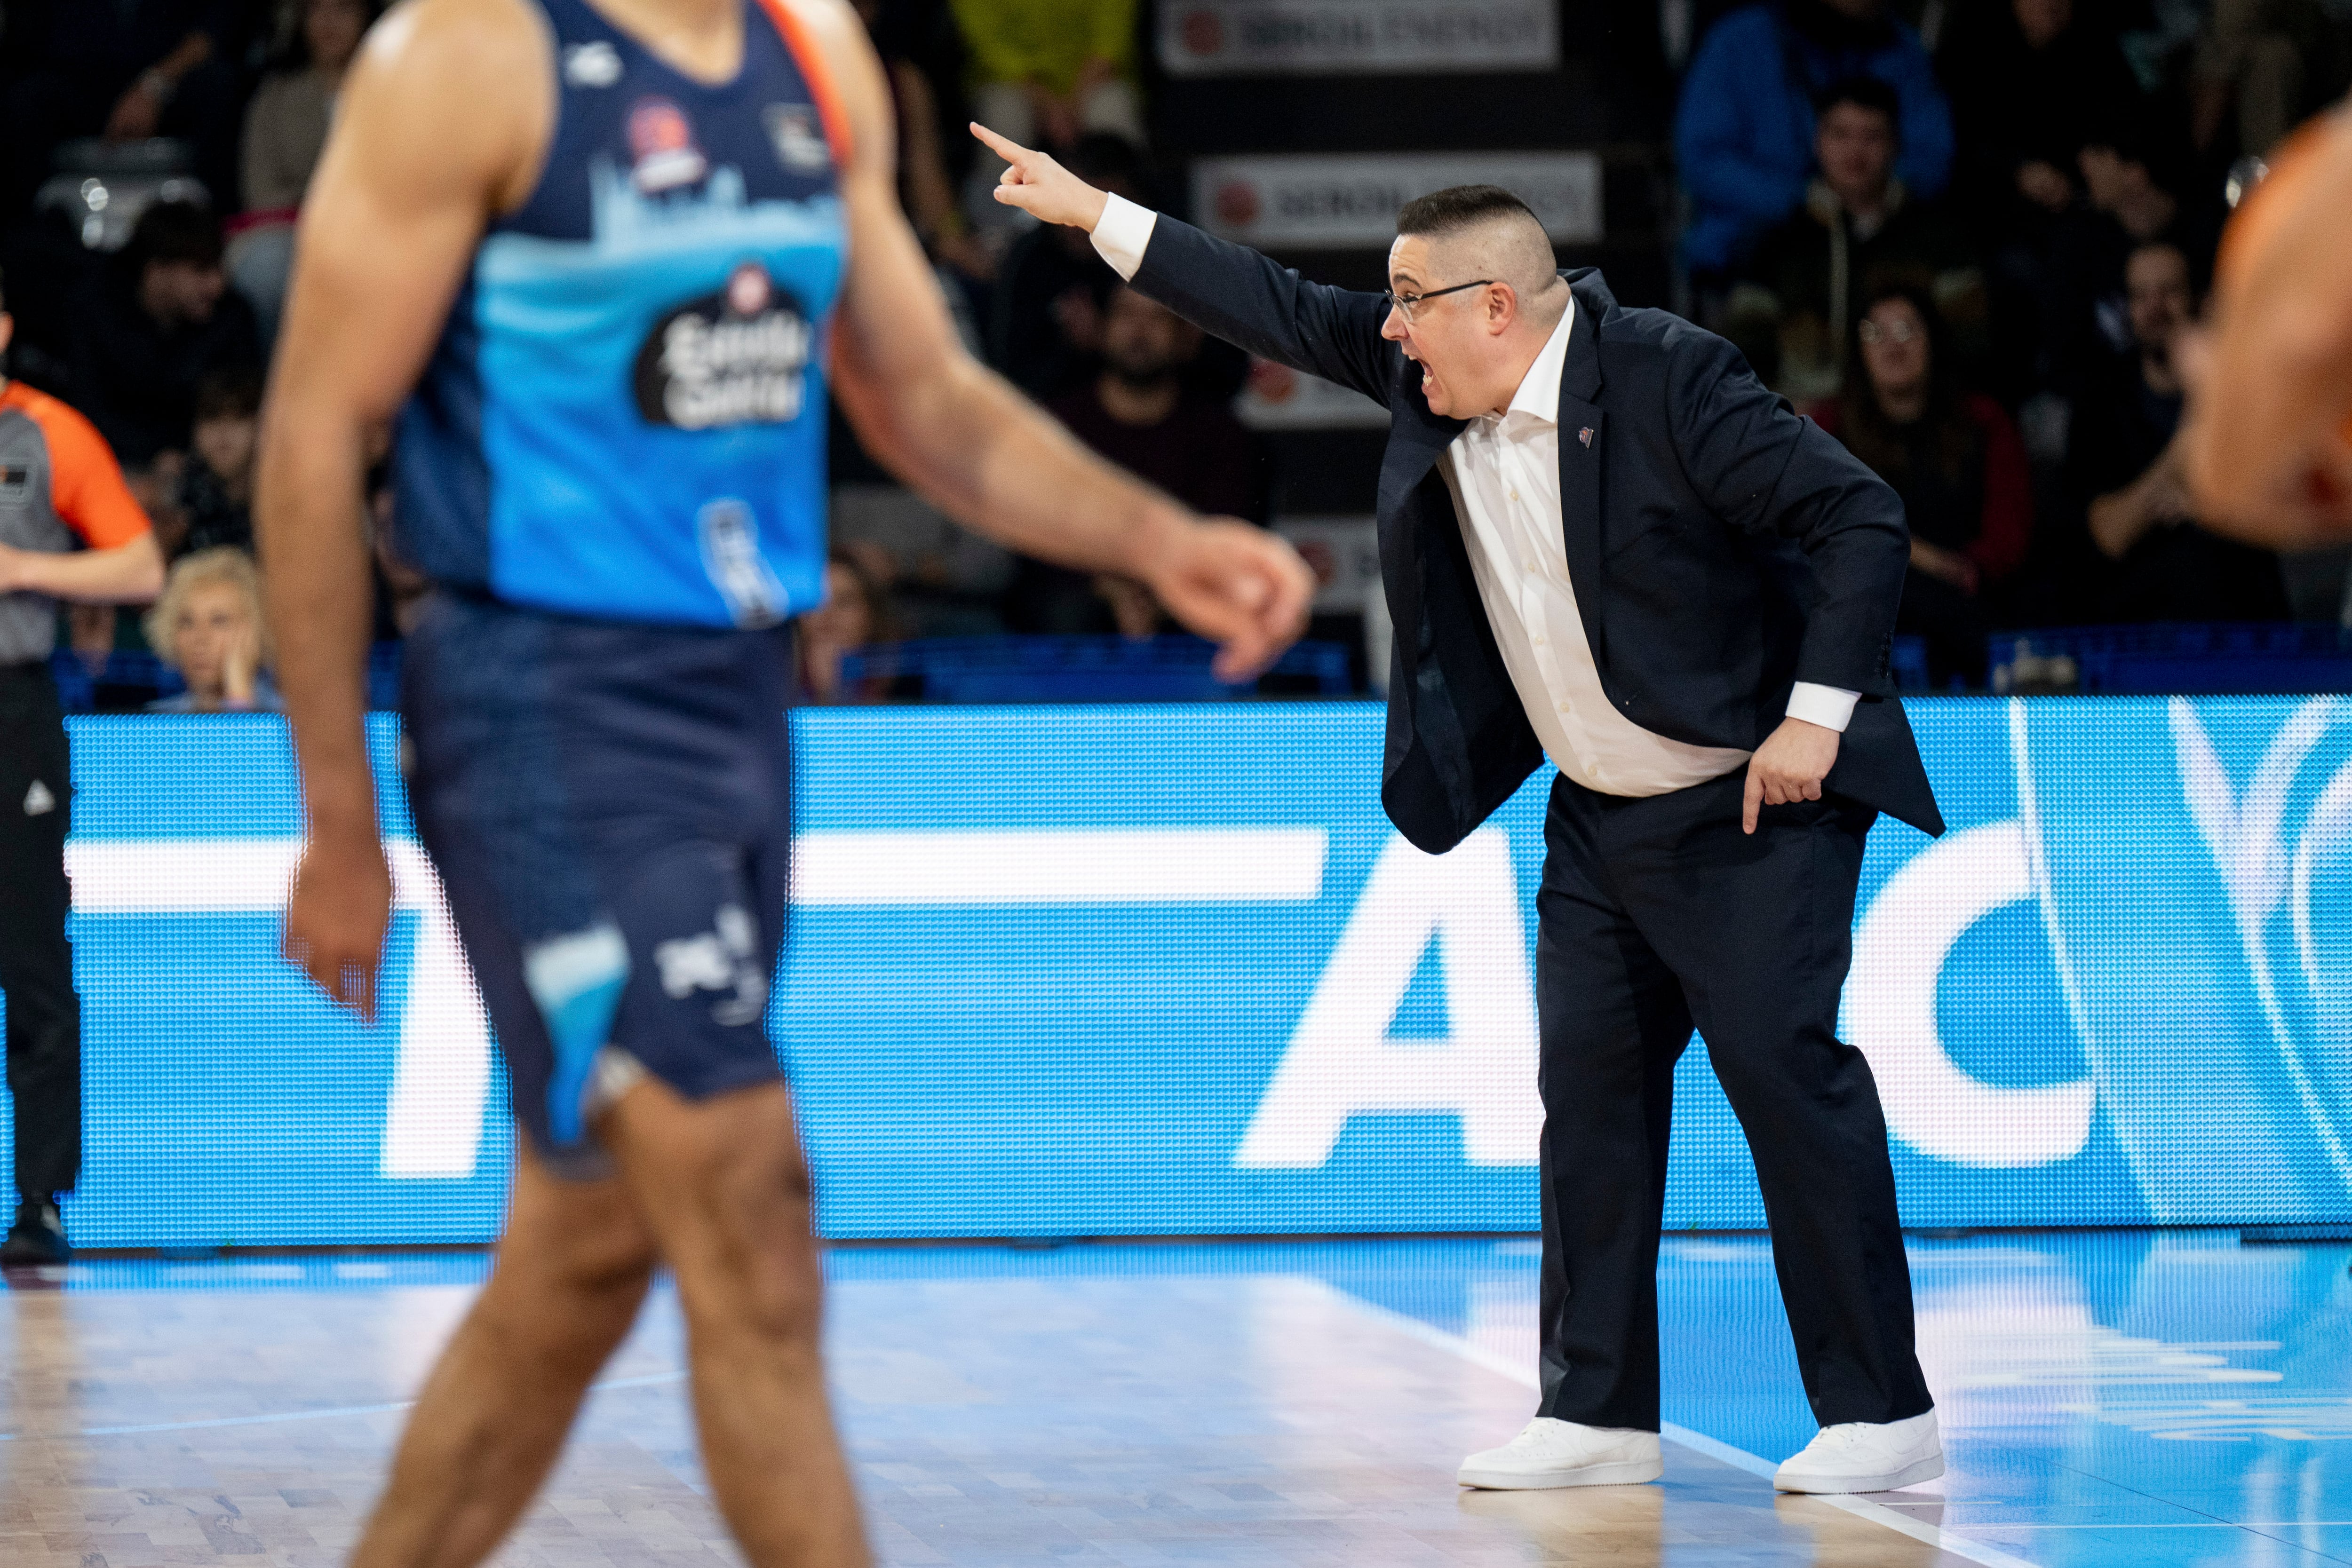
{"x":1788,"y":768}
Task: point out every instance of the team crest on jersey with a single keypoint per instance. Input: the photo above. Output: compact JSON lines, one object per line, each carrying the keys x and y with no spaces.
{"x":736,"y":357}
{"x":16,"y":485}
{"x":592,"y":65}
{"x":661,"y":142}
{"x":799,"y":142}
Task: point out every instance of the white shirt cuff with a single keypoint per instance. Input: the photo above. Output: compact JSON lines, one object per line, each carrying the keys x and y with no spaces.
{"x":1123,"y":234}
{"x":1828,"y":706}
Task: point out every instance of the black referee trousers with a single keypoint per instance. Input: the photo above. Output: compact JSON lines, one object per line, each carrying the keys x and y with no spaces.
{"x":35,"y":961}
{"x":1654,"y":915}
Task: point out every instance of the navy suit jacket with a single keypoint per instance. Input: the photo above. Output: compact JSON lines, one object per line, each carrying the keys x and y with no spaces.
{"x":1722,"y":548}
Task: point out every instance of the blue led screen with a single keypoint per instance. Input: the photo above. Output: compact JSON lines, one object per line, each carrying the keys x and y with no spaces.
{"x":1167,"y":970}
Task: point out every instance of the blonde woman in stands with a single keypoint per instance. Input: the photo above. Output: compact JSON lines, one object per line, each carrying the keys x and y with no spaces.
{"x":208,"y":626}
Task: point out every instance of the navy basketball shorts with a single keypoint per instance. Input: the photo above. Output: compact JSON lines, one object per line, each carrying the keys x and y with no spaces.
{"x":609,"y":808}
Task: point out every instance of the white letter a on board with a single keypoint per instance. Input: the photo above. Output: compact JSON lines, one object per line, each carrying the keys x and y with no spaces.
{"x":1341,"y":1061}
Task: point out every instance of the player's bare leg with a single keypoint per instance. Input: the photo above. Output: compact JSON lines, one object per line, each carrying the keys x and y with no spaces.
{"x":724,"y":1185}
{"x":571,"y":1272}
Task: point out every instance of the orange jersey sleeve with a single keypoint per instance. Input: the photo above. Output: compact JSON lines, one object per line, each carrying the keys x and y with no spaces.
{"x":814,"y":71}
{"x":85,"y":483}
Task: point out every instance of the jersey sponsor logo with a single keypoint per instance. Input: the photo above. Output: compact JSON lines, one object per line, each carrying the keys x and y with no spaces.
{"x":661,"y":142}
{"x":736,"y":357}
{"x":723,"y":959}
{"x":730,"y":537}
{"x":799,"y":141}
{"x":596,"y":64}
{"x":15,"y":485}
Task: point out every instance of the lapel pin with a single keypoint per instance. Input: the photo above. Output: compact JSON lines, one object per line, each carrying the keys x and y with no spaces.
{"x":1585,"y":436}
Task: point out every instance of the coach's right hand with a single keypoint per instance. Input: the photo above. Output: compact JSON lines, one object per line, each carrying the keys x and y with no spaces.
{"x":1042,"y":188}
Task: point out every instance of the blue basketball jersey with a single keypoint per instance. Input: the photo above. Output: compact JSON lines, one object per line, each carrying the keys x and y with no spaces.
{"x":626,"y":416}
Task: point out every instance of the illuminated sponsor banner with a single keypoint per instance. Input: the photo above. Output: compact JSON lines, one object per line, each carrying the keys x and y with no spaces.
{"x":1349,"y":199}
{"x":1346,"y":555}
{"x":433,"y":1120}
{"x":1277,"y":397}
{"x":1335,"y":38}
{"x":1150,"y":970}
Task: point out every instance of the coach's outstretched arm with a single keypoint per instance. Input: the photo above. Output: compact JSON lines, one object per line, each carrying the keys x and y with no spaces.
{"x":1225,"y":290}
{"x":956,"y":432}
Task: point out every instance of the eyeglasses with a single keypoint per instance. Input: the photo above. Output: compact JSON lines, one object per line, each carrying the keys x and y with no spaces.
{"x":1901,"y":332}
{"x":1406,"y":304}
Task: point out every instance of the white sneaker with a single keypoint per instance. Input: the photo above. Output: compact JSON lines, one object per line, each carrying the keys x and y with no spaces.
{"x":1860,"y":1456}
{"x":1551,"y":1453}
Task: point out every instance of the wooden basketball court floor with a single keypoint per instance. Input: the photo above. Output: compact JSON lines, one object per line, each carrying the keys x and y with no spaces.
{"x":2126,"y":1398}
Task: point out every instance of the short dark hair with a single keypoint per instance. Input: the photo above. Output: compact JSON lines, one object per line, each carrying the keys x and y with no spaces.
{"x":175,"y":230}
{"x":1458,"y":208}
{"x":2141,"y":136}
{"x":1864,"y":92}
{"x":295,"y":51}
{"x":1863,"y":424}
{"x":229,"y":394}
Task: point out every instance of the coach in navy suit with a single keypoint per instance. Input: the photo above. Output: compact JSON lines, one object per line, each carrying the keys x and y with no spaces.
{"x":1603,"y":541}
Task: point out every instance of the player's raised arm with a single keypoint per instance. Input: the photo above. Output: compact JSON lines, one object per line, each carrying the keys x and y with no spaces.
{"x":973,"y":445}
{"x":388,"y":231}
{"x":2269,"y":435}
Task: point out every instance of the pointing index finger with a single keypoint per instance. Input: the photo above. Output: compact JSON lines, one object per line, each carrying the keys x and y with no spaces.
{"x":1004,"y":147}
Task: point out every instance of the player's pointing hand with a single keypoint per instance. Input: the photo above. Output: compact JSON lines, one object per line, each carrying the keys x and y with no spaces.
{"x":1036,"y":184}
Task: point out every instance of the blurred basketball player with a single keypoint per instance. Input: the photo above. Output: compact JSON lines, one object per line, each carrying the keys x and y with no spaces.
{"x":2270,"y":424}
{"x":602,"y":258}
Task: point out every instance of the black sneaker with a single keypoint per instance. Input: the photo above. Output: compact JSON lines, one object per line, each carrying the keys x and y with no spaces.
{"x":38,"y":1237}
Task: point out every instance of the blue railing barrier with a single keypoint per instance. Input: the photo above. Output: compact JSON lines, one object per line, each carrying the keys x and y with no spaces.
{"x":1906,"y":661}
{"x":1079,"y":670}
{"x":2191,"y":659}
{"x":2187,"y":659}
{"x":129,"y":679}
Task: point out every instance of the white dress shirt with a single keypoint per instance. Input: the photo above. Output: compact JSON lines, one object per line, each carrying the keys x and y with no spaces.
{"x":1504,"y":474}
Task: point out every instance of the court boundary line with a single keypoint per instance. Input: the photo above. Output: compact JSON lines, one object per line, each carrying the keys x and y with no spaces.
{"x":1902,"y":1524}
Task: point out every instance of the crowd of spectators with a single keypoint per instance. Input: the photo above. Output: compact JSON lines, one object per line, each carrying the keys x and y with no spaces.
{"x":1971,"y":246}
{"x":1964,"y":234}
{"x":157,"y":157}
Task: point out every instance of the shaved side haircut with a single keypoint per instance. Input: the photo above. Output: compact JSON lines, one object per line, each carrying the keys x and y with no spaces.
{"x":1485,"y":231}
